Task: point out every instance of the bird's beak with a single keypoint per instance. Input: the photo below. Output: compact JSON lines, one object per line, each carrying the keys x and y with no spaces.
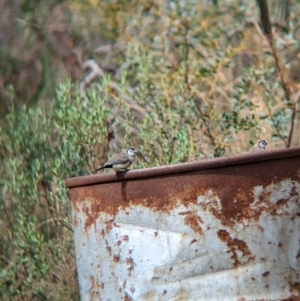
{"x":142,"y":155}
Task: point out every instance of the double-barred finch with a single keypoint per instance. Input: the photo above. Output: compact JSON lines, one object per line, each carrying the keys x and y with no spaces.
{"x":259,"y":146}
{"x":120,"y":162}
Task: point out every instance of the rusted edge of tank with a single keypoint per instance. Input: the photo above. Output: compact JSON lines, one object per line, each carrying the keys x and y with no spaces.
{"x":183,"y":167}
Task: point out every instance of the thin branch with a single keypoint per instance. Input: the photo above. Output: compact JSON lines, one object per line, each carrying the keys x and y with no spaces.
{"x":186,"y":54}
{"x":213,"y":85}
{"x":96,"y":71}
{"x":274,"y":123}
{"x":266,"y":24}
{"x":206,"y":124}
{"x":47,"y":221}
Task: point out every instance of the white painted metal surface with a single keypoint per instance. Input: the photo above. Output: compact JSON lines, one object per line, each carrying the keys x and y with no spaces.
{"x":188,"y":252}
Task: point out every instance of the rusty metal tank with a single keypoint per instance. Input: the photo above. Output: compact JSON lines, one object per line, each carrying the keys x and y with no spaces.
{"x":225,"y":229}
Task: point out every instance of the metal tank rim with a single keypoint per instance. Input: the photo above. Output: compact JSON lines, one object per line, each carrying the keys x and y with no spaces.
{"x":178,"y":168}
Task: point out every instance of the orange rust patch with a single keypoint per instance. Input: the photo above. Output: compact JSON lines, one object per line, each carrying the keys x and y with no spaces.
{"x":127,"y":298}
{"x":266,"y":274}
{"x":116,"y":258}
{"x":231,"y":199}
{"x":295,"y":287}
{"x":129,"y":261}
{"x":102,"y":233}
{"x":235,"y":245}
{"x":93,"y":291}
{"x":192,"y":220}
{"x":185,"y":212}
{"x":108,"y":248}
{"x":108,"y":225}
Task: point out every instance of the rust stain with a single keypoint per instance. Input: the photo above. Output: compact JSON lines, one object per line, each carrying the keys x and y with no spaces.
{"x":266,"y":274}
{"x":231,"y":203}
{"x":129,"y":261}
{"x":116,"y":258}
{"x":102,"y":233}
{"x":116,"y":225}
{"x":193,"y":241}
{"x":127,"y":298}
{"x":292,"y":298}
{"x":261,"y":228}
{"x":125,"y":238}
{"x":192,"y":220}
{"x":108,"y":248}
{"x":185,"y":212}
{"x":295,"y":287}
{"x":235,"y":245}
{"x":94,"y":289}
{"x":108,"y":225}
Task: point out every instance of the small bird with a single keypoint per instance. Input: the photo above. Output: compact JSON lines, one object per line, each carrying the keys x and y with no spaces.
{"x":259,"y":146}
{"x":121,"y":161}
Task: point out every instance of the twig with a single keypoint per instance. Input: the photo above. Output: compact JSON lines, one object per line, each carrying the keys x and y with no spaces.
{"x":206,"y":124}
{"x":274,"y":123}
{"x":8,"y":218}
{"x":213,"y":85}
{"x":96,"y":71}
{"x":186,"y":54}
{"x":266,"y":24}
{"x":47,"y":221}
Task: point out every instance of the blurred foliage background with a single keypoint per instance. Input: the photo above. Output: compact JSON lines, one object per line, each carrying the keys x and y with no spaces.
{"x":83,"y":79}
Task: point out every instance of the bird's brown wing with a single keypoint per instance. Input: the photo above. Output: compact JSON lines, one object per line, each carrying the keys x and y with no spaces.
{"x":255,"y":149}
{"x":117,"y":159}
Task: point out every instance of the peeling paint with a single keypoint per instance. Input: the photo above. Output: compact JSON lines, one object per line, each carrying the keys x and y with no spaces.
{"x":226,"y":233}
